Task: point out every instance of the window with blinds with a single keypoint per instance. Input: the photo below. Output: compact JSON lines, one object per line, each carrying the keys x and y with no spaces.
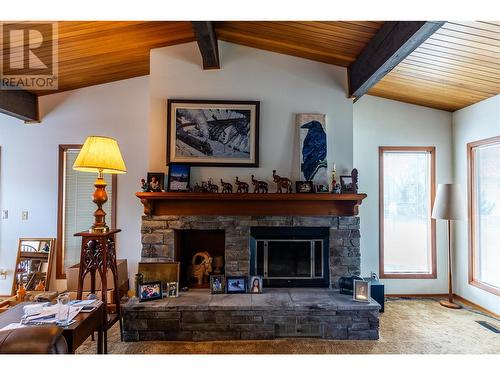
{"x":76,"y":207}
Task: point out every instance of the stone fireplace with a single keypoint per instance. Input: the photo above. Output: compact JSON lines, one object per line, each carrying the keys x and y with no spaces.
{"x":326,"y":246}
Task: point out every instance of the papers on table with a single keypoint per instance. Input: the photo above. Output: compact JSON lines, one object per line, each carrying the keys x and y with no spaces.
{"x":48,"y":315}
{"x":12,"y":326}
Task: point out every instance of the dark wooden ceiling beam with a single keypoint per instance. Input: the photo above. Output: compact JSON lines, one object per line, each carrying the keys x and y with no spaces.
{"x":207,"y":42}
{"x":393,"y":42}
{"x":20,"y":104}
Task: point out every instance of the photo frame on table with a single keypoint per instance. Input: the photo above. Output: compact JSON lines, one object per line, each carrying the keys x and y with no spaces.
{"x":178,"y":177}
{"x":255,"y":284}
{"x":361,"y":291}
{"x":223,"y":133}
{"x":346,"y":184}
{"x":149,"y":291}
{"x":236,"y":284}
{"x":217,"y":284}
{"x":156,"y":181}
{"x":304,"y":187}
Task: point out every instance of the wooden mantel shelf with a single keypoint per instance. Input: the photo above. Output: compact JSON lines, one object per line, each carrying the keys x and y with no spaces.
{"x":271,"y":204}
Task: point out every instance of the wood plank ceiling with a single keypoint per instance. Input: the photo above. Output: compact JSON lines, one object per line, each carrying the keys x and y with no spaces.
{"x":456,"y":67}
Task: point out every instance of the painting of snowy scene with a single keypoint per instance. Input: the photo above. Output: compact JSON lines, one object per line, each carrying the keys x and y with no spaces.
{"x":218,"y":133}
{"x":178,"y":177}
{"x":313,"y":155}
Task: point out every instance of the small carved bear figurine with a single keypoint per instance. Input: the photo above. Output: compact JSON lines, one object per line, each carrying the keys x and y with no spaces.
{"x":282,"y":183}
{"x":212,"y":188}
{"x":354,"y":176}
{"x":259,"y":186}
{"x":226,"y":187}
{"x":242,"y":186}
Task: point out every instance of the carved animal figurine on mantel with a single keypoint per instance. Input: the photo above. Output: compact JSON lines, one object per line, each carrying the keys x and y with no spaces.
{"x":226,"y":187}
{"x":259,"y":186}
{"x":282,"y":183}
{"x":212,"y":188}
{"x":354,"y":176}
{"x":201,"y":271}
{"x":242,"y":186}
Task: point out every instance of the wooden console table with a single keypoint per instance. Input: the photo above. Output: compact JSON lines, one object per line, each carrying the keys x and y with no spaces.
{"x":98,"y":254}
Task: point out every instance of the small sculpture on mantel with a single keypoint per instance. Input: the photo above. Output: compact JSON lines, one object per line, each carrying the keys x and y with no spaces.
{"x":144,"y":185}
{"x":242,"y":186}
{"x":226,"y":187}
{"x":354,"y":176}
{"x":212,"y":188}
{"x":259,"y":186}
{"x":282,"y":183}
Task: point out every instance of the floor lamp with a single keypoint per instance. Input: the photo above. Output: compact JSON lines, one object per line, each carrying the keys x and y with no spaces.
{"x":448,"y":206}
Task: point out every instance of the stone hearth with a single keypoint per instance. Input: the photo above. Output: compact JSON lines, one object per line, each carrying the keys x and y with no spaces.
{"x":159,"y":237}
{"x":200,"y":316}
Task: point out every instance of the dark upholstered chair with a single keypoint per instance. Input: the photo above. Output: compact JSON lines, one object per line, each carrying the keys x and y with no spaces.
{"x":33,"y":340}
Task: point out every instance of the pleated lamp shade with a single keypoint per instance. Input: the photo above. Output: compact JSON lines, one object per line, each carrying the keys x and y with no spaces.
{"x":448,"y":203}
{"x":100,"y":153}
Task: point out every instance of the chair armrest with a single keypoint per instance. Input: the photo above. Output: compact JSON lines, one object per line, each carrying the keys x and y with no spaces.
{"x":33,"y":340}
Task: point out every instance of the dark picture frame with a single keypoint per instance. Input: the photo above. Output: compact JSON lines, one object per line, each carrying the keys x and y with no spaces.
{"x":361,"y":291}
{"x":257,"y":288}
{"x":146,"y":295}
{"x":236,"y":124}
{"x":304,"y":187}
{"x":172,"y":289}
{"x":321,"y":188}
{"x":178,"y":177}
{"x":160,"y":176}
{"x":236,"y":284}
{"x":217,"y":284}
{"x":346,"y":185}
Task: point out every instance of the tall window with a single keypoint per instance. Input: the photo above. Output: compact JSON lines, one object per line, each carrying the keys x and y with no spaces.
{"x":407,"y":232}
{"x":484,"y":214}
{"x":76,"y":209}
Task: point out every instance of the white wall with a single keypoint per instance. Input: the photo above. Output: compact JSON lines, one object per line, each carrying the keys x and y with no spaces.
{"x":29,"y":162}
{"x":476,"y":122}
{"x":284,"y":85}
{"x":383,"y":122}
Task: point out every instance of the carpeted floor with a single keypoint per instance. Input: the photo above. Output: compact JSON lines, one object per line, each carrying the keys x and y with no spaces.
{"x":406,"y":327}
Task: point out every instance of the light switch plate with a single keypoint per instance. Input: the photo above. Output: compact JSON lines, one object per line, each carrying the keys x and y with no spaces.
{"x":25,"y":215}
{"x":5,"y":214}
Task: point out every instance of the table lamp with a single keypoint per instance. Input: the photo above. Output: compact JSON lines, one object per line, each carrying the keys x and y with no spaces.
{"x":448,"y":206}
{"x":100,"y":155}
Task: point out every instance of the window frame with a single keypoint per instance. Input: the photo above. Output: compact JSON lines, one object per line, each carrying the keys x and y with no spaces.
{"x":432,"y":151}
{"x":59,"y":249}
{"x":471,"y":207}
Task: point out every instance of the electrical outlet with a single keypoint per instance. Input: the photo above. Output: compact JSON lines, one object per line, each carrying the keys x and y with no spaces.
{"x":25,"y":215}
{"x":5,"y":214}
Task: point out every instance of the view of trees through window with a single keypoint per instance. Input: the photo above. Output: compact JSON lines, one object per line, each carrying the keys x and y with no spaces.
{"x":407,"y":233}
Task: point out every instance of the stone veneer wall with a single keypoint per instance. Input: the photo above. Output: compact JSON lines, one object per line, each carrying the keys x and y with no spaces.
{"x":158,"y":234}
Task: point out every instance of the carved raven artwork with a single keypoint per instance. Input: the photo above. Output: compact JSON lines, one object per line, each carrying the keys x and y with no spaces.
{"x":313,"y":150}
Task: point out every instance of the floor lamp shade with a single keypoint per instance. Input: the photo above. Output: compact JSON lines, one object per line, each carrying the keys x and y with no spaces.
{"x":100,"y":155}
{"x":448,"y":203}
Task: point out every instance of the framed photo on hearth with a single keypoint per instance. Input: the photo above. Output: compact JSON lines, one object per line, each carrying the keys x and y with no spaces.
{"x":173,"y":289}
{"x":255,"y":285}
{"x":222,"y":133}
{"x":156,"y":181}
{"x":361,"y":291}
{"x":217,"y":284}
{"x":304,"y":187}
{"x":236,"y":284}
{"x":150,"y":291}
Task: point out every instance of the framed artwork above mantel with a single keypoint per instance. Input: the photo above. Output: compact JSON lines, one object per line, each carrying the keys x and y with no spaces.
{"x":223,"y":133}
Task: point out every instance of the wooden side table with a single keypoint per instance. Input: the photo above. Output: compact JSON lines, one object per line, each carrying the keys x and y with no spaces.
{"x":98,"y":254}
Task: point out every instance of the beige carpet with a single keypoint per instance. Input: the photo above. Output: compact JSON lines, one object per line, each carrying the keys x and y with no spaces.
{"x":406,"y":327}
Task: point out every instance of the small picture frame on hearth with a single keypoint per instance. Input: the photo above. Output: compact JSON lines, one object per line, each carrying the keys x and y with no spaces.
{"x":236,"y":284}
{"x":150,"y":291}
{"x":217,"y":284}
{"x":173,"y":289}
{"x":346,"y":185}
{"x":361,"y":291}
{"x":255,"y":285}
